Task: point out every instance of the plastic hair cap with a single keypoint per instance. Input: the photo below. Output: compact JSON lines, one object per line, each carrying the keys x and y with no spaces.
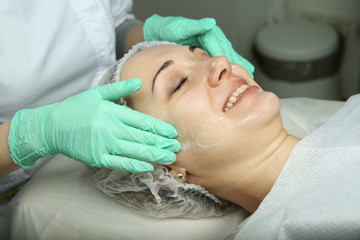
{"x":155,"y":193}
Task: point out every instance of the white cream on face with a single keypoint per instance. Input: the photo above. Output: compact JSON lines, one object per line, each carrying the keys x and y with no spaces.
{"x":206,"y":128}
{"x":190,"y":145}
{"x":201,"y":139}
{"x":193,"y":144}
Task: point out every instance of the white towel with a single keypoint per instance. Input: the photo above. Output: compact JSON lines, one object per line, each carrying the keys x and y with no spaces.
{"x":317,"y":195}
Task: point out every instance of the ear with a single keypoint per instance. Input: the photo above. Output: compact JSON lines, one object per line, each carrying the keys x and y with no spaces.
{"x":173,"y":170}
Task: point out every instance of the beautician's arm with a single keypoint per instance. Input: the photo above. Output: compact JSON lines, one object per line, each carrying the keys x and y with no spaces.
{"x":134,"y":36}
{"x":7,"y":165}
{"x":128,"y":34}
{"x":82,"y":126}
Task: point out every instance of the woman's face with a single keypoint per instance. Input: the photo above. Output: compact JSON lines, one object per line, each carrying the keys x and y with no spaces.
{"x":187,"y":88}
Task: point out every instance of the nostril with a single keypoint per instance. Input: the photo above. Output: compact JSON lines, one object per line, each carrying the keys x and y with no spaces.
{"x":222,"y":74}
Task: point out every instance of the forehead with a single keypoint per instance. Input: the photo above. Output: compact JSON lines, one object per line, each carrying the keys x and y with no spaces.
{"x":144,"y":64}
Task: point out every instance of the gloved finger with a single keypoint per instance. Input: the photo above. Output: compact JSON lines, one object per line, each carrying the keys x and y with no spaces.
{"x":195,"y":27}
{"x":131,"y":134}
{"x":145,"y":122}
{"x":126,"y":164}
{"x":117,"y":90}
{"x":142,"y":152}
{"x":236,"y":58}
{"x":216,"y":44}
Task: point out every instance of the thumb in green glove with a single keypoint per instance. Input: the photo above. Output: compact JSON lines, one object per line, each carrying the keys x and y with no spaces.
{"x":89,"y":127}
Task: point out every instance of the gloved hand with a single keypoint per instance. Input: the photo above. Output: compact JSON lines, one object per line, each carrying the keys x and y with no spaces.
{"x":91,"y":128}
{"x":216,"y":44}
{"x":200,"y":33}
{"x":180,"y":30}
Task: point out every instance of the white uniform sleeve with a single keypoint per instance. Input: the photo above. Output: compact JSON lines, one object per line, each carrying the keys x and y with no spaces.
{"x":47,"y":56}
{"x":122,"y":21}
{"x":121,"y":11}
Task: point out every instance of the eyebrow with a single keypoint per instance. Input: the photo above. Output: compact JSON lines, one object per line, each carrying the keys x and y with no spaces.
{"x":162,"y":68}
{"x":166,"y":65}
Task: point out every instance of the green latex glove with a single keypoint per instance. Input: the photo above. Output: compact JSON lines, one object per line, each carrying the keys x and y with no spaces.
{"x":89,"y":127}
{"x":216,"y":44}
{"x":180,"y":30}
{"x":200,"y":33}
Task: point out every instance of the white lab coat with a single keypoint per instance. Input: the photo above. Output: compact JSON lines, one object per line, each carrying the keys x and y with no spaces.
{"x":50,"y":50}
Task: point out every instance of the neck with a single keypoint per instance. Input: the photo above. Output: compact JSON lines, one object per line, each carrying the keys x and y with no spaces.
{"x":259,"y":175}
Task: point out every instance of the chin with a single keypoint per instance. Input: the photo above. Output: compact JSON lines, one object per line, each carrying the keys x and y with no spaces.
{"x":263,"y":105}
{"x":268,"y":102}
{"x":265,"y":110}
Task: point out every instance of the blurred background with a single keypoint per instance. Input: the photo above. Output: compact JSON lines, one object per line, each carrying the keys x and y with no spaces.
{"x":307,"y":48}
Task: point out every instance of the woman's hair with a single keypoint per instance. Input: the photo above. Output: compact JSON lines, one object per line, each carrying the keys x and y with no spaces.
{"x":155,"y":193}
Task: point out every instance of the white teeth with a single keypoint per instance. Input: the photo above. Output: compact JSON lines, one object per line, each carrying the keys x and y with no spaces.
{"x":235,"y":96}
{"x":242,"y":88}
{"x":232,"y":99}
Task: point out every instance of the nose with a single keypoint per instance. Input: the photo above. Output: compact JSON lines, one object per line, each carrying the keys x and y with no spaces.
{"x":220,"y":69}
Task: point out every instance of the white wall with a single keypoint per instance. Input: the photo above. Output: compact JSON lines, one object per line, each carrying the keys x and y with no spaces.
{"x":240,"y":19}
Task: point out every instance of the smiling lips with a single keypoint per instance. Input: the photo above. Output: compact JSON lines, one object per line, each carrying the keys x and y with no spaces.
{"x":235,"y":96}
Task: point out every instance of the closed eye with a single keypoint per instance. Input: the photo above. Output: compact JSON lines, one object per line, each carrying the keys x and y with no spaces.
{"x":183,"y":80}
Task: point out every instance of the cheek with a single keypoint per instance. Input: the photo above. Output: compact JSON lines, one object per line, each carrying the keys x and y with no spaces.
{"x":202,"y":141}
{"x":238,"y":70}
{"x":194,"y":119}
{"x":207,"y":139}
